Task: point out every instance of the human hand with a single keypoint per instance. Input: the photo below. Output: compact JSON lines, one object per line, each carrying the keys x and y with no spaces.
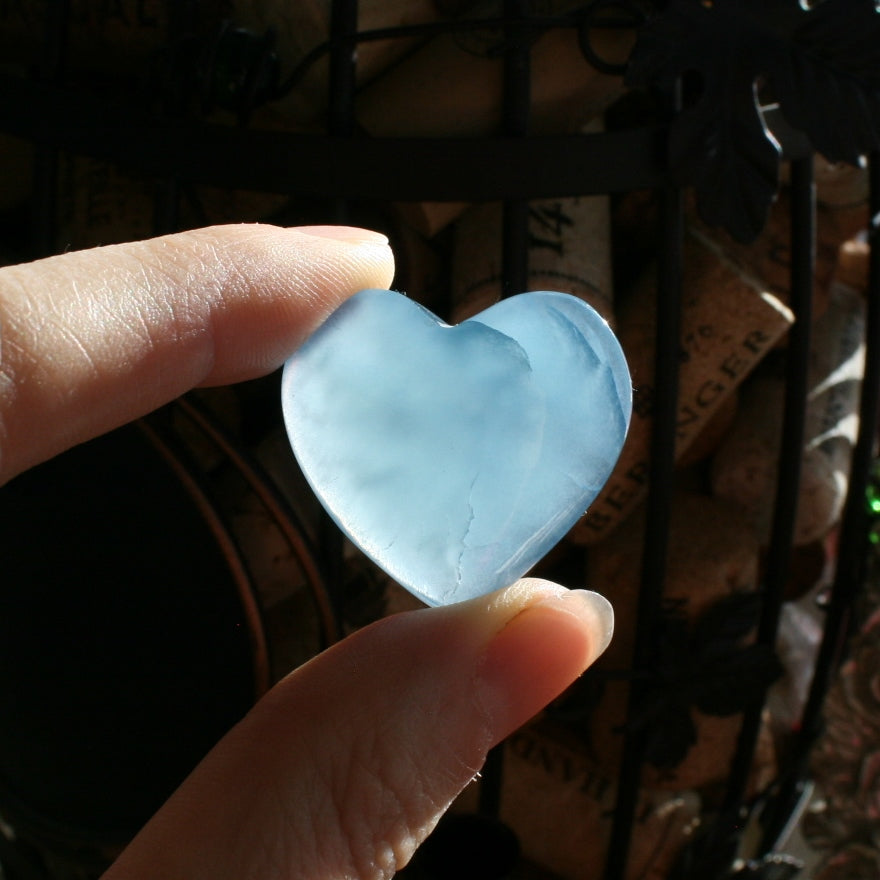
{"x":346,"y":765}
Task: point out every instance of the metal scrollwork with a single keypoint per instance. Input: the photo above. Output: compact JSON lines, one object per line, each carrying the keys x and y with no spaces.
{"x":606,"y":14}
{"x":820,"y":64}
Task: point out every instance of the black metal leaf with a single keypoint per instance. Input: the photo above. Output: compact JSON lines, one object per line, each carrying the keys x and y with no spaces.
{"x":731,"y":683}
{"x":724,"y":624}
{"x":821,"y":64}
{"x":736,"y":177}
{"x":674,"y":645}
{"x":718,"y":142}
{"x":828,"y":84}
{"x":670,"y":735}
{"x":708,"y":666}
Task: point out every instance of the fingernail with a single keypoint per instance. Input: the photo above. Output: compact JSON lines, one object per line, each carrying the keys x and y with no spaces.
{"x":540,"y":652}
{"x":349,"y":234}
{"x":599,"y":607}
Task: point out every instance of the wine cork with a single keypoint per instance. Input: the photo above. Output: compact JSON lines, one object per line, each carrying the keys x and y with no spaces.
{"x":420,"y":268}
{"x":453,"y":86}
{"x":841,"y":199}
{"x":429,"y":218}
{"x":729,"y":322}
{"x":560,"y":803}
{"x":98,"y":204}
{"x":569,"y":250}
{"x":129,"y":37}
{"x":853,"y":263}
{"x":218,"y":206}
{"x":304,"y":26}
{"x":745,"y":465}
{"x":712,"y":433}
{"x":101,"y":204}
{"x":713,"y":552}
{"x":807,"y":568}
{"x":118,"y":37}
{"x":841,"y":213}
{"x":769,"y":256}
{"x":713,"y":557}
{"x":840,"y":185}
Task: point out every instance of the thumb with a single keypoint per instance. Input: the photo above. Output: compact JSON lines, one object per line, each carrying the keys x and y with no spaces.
{"x":347,"y":764}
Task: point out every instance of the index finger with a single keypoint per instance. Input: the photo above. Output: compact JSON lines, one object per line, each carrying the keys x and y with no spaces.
{"x":93,"y":339}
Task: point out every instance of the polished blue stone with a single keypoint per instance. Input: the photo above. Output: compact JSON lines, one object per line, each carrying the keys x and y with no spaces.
{"x":456,"y":457}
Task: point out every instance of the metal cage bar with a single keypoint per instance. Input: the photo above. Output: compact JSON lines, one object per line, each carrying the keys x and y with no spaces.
{"x":654,"y":551}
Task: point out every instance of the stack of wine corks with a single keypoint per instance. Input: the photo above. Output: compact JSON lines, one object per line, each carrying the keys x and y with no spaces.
{"x":560,"y":771}
{"x":734,"y":329}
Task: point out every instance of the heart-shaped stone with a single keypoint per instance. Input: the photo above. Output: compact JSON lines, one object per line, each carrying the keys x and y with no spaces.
{"x":456,"y":457}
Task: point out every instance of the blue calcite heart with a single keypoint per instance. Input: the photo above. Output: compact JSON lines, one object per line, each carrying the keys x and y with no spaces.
{"x":456,"y":457}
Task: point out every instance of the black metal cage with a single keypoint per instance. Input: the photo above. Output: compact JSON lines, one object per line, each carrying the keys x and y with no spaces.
{"x":717,"y":106}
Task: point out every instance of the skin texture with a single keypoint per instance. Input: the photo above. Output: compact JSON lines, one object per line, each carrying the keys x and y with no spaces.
{"x":344,"y":767}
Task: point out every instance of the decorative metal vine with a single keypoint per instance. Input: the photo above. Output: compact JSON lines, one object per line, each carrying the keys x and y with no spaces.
{"x":820,"y":65}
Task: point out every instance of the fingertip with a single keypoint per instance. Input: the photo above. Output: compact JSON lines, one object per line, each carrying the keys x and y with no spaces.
{"x":540,"y":651}
{"x":596,"y":612}
{"x":382,"y":731}
{"x":363,"y":257}
{"x":348,"y":234}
